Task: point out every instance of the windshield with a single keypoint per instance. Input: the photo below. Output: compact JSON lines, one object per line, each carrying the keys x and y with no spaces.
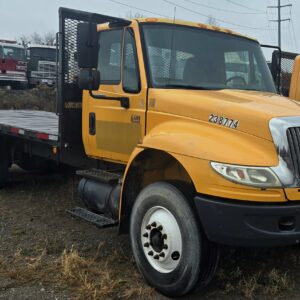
{"x":187,"y":57}
{"x":46,"y":54}
{"x":12,"y":52}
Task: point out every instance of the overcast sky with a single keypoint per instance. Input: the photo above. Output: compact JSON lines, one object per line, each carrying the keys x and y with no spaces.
{"x":19,"y":17}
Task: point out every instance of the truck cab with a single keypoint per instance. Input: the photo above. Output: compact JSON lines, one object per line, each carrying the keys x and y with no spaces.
{"x":12,"y":64}
{"x":202,"y":118}
{"x":41,"y":64}
{"x":208,"y":73}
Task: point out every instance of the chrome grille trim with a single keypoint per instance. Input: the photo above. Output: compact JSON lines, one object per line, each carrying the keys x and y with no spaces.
{"x":286,"y":169}
{"x":293,"y":136}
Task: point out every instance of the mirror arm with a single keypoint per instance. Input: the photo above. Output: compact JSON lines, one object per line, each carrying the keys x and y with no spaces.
{"x":124,"y":101}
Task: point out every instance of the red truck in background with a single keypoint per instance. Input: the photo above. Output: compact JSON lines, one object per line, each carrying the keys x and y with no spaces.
{"x":13,"y":65}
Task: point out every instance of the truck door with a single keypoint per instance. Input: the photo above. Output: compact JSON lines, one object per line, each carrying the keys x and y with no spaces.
{"x":111,"y":131}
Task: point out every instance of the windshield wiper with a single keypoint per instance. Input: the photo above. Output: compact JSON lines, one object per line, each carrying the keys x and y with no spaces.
{"x":253,"y":89}
{"x":189,"y":87}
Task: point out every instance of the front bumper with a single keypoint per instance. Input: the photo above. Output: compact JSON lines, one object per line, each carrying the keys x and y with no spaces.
{"x":37,"y":81}
{"x":237,"y":223}
{"x":12,"y":78}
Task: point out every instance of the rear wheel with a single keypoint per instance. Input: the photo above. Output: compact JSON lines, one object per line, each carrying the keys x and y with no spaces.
{"x":4,"y":164}
{"x":168,"y":244}
{"x":35,"y":163}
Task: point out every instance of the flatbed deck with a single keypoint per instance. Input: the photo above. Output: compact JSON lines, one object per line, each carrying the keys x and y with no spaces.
{"x":39,"y":125}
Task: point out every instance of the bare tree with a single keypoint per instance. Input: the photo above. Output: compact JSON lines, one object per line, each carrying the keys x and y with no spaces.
{"x":36,"y":38}
{"x":47,"y":38}
{"x":23,"y":39}
{"x":211,"y":20}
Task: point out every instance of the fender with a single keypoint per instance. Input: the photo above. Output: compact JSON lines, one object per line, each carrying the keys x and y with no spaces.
{"x":211,"y":142}
{"x":193,"y":144}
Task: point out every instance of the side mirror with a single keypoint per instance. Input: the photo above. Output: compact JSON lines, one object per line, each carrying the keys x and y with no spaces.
{"x":87,"y":45}
{"x":89,"y":79}
{"x":276,"y":69}
{"x":275,"y":65}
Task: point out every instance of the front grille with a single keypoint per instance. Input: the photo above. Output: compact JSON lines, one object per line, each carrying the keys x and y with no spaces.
{"x":47,"y":67}
{"x":293,"y":136}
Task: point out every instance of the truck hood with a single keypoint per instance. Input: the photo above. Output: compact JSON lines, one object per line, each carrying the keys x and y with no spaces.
{"x":252,"y":109}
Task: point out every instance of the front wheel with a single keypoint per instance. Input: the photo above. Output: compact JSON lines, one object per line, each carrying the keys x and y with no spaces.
{"x":168,"y":244}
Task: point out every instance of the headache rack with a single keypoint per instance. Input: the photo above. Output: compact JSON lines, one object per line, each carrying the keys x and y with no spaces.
{"x":283,"y":76}
{"x":69,"y":96}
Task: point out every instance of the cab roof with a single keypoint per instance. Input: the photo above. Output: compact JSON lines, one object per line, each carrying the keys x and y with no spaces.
{"x":40,"y":46}
{"x":105,"y":26}
{"x":11,"y":45}
{"x":193,"y":24}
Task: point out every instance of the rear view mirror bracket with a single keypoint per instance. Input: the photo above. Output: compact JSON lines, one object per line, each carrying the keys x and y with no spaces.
{"x":89,"y":79}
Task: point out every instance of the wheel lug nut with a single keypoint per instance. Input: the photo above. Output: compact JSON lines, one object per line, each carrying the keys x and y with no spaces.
{"x":153,"y":224}
{"x":156,"y":257}
{"x":146,"y":245}
{"x":148,"y":227}
{"x":160,"y":228}
{"x":145,"y":235}
{"x":150,"y":253}
{"x":164,"y":236}
{"x":165,"y":246}
{"x":162,"y":254}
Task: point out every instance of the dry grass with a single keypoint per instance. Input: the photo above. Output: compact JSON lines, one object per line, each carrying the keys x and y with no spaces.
{"x":272,"y":283}
{"x":113,"y":275}
{"x":95,"y":279}
{"x":87,"y":277}
{"x":39,"y":98}
{"x":24,"y":269}
{"x":254,"y":273}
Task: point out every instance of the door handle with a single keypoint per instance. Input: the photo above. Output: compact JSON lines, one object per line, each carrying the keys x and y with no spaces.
{"x":92,"y":123}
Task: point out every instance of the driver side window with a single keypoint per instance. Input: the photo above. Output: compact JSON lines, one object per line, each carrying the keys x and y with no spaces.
{"x":110,"y":56}
{"x":131,"y":78}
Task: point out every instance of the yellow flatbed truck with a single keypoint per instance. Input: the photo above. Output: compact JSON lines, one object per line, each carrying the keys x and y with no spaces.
{"x":180,"y":138}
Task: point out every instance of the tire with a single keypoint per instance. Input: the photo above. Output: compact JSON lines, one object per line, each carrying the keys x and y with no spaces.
{"x":163,"y":221}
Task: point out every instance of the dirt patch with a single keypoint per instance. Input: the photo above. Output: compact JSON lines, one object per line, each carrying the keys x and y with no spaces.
{"x":40,"y":98}
{"x":47,"y":254}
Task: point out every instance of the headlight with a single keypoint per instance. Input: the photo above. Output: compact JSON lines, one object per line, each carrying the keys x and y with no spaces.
{"x":262,"y":177}
{"x":21,"y":68}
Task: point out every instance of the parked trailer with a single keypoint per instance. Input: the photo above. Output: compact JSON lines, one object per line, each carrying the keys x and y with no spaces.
{"x":179,"y":136}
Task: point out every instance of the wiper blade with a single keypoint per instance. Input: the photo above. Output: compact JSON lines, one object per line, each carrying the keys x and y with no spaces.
{"x":189,"y":87}
{"x":257,"y":90}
